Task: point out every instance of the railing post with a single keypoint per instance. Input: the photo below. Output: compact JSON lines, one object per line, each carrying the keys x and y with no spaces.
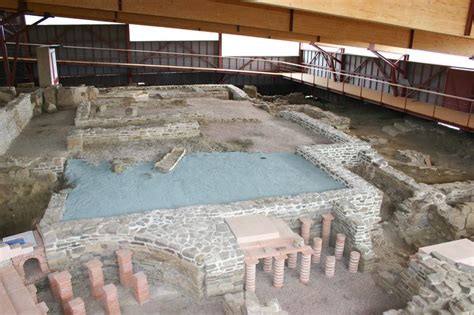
{"x":381,"y":95}
{"x":470,"y":114}
{"x":327,"y":84}
{"x":360,"y":95}
{"x":406,"y":97}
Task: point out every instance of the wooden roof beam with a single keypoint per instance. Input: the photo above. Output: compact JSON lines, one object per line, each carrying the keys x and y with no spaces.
{"x":252,"y":20}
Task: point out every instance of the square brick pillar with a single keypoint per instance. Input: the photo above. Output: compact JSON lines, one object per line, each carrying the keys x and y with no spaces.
{"x":32,"y":289}
{"x":53,"y":285}
{"x":42,"y":308}
{"x":326,"y":233}
{"x":76,"y":307}
{"x":64,"y":287}
{"x":140,"y":287}
{"x":124,"y":257}
{"x":109,"y":299}
{"x":96,"y":277}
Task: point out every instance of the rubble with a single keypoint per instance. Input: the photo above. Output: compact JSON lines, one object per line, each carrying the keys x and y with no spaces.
{"x":170,"y":160}
{"x":251,"y":90}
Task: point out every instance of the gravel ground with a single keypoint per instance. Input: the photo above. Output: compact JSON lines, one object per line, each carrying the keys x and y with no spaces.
{"x":345,"y":293}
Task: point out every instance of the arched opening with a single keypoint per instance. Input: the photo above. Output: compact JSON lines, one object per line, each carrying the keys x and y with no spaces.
{"x":32,"y":270}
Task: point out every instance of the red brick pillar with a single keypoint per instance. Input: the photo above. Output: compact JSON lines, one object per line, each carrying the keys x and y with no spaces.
{"x":64,"y":287}
{"x":76,"y":307}
{"x":140,"y":287}
{"x":250,"y":274}
{"x":267,"y":264}
{"x":306,"y":224}
{"x":32,"y":289}
{"x":53,"y":285}
{"x":96,"y":277}
{"x":305,"y":267}
{"x":317,"y":248}
{"x":292,"y":260}
{"x":109,"y":299}
{"x":42,"y":308}
{"x":279,"y":271}
{"x":326,"y":233}
{"x":339,"y":247}
{"x":124,"y":257}
{"x":354,"y":262}
{"x":330,"y":268}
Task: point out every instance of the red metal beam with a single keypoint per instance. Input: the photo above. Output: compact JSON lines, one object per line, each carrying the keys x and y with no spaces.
{"x":331,"y":60}
{"x":6,"y":64}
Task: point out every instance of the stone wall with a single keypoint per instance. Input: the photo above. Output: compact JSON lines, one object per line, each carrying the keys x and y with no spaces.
{"x":434,"y":285}
{"x":13,"y":118}
{"x":37,"y":166}
{"x":457,"y":192}
{"x":83,"y":118}
{"x":180,"y":130}
{"x":422,"y":212}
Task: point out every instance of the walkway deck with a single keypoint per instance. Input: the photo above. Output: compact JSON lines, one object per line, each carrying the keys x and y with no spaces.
{"x":414,"y":107}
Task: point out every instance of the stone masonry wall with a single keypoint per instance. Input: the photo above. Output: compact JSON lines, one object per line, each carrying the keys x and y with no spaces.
{"x":83,"y":119}
{"x":81,"y":137}
{"x":38,"y":166}
{"x":421,"y":211}
{"x":433,"y":285}
{"x":13,"y":118}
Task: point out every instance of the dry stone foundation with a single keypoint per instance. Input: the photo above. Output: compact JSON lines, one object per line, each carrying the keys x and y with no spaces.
{"x":434,"y":285}
{"x":13,"y":118}
{"x":81,"y":137}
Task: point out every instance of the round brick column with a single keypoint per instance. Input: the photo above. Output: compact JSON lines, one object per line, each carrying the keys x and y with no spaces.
{"x":305,"y":267}
{"x":317,"y":248}
{"x":292,"y":260}
{"x":339,"y":248}
{"x":330,"y":268}
{"x":279,"y":271}
{"x":326,"y":233}
{"x":267,"y":264}
{"x":354,"y":262}
{"x":306,"y":224}
{"x":250,"y":274}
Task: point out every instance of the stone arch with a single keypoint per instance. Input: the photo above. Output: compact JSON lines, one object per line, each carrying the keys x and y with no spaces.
{"x":39,"y":256}
{"x":31,"y":269}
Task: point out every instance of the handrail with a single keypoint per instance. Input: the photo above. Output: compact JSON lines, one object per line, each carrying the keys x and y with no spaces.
{"x":278,"y":62}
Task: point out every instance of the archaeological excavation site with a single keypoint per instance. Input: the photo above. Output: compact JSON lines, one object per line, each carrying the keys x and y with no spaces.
{"x":236,"y":157}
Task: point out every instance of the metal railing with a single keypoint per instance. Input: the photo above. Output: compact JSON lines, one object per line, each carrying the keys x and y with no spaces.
{"x":303,"y":73}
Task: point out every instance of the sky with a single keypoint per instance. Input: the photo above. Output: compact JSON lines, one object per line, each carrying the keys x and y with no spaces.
{"x":237,"y":45}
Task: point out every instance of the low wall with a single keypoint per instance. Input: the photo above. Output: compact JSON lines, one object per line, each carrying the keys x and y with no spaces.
{"x":83,"y":119}
{"x":37,"y":166}
{"x":13,"y":118}
{"x":81,"y":137}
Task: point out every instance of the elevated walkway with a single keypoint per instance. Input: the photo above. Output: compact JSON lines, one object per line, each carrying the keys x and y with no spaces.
{"x":449,"y":116}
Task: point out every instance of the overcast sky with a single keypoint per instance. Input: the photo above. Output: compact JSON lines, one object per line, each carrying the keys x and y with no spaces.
{"x":236,"y":45}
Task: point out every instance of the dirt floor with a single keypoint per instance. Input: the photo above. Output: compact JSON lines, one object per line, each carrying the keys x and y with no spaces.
{"x":23,"y":200}
{"x":44,"y":136}
{"x":451,"y":151}
{"x":345,"y":293}
{"x":164,"y":299}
